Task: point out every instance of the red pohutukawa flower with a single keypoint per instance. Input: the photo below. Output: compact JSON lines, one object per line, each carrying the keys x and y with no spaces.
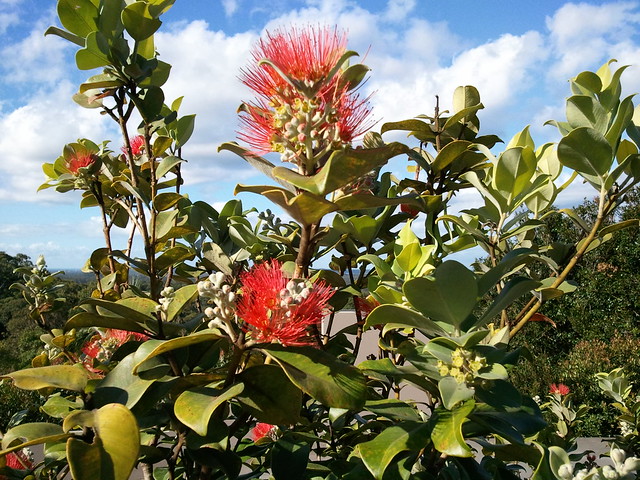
{"x":302,"y":108}
{"x":18,"y":461}
{"x":277,"y":309}
{"x":102,"y":346}
{"x":137,"y":145}
{"x":80,"y":160}
{"x":559,"y":388}
{"x":262,"y":430}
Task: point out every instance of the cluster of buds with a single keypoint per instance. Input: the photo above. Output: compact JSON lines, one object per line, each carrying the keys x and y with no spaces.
{"x":464,"y":365}
{"x":220,"y":294}
{"x":166,"y":297}
{"x":294,"y":293}
{"x":623,"y":468}
{"x":304,"y":125}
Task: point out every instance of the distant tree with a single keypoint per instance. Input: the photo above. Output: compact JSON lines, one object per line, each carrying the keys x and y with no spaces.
{"x":8,"y":264}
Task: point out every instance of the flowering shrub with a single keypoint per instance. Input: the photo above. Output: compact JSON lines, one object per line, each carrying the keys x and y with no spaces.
{"x":230,"y":375}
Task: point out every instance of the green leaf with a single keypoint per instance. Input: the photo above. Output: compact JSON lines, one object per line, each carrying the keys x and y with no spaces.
{"x":173,"y":256}
{"x":139,"y":21}
{"x":513,"y":171}
{"x":377,"y":454}
{"x":513,"y":290}
{"x":447,"y":433}
{"x":166,"y":165}
{"x":403,"y":317}
{"x":79,"y":41}
{"x":289,"y":460}
{"x":175,"y":343}
{"x":448,"y":154}
{"x":330,"y":381}
{"x":28,"y":434}
{"x":114,"y":452}
{"x":184,"y":129}
{"x":269,"y":395}
{"x":181,"y":299}
{"x":557,"y":458}
{"x":78,"y":16}
{"x":68,"y":377}
{"x":449,"y":296}
{"x":587,"y":152}
{"x":305,"y":207}
{"x":262,"y":165}
{"x":164,"y":201}
{"x":121,"y":385}
{"x":194,"y":407}
{"x":94,"y":55}
{"x":88,"y":319}
{"x":104,"y":80}
{"x":453,"y":392}
{"x":586,"y":111}
{"x":342,"y":168}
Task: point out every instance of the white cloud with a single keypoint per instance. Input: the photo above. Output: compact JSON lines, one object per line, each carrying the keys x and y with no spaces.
{"x":230,"y":7}
{"x":399,"y":9}
{"x":34,"y":134}
{"x":7,"y":20}
{"x":583,"y":35}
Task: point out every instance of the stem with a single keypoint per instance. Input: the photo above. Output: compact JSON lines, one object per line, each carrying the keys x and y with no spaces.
{"x":305,"y":250}
{"x":603,"y":211}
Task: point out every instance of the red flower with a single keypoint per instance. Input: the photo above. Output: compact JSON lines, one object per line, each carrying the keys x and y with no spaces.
{"x":262,"y":430}
{"x":102,"y":346}
{"x":281,"y":310}
{"x":18,"y":461}
{"x":409,"y":210}
{"x":80,"y":160}
{"x":301,"y":101}
{"x":137,"y":145}
{"x":560,"y":389}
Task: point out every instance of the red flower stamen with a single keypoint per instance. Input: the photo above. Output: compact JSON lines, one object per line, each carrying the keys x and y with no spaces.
{"x":80,"y":160}
{"x":261,"y":430}
{"x":277,"y":309}
{"x":560,"y":389}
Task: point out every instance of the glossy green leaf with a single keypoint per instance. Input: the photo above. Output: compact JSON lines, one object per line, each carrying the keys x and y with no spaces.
{"x":88,"y":319}
{"x":165,"y":201}
{"x":513,"y":290}
{"x":121,"y":385}
{"x":175,"y":343}
{"x":393,"y":409}
{"x":262,"y":165}
{"x":377,"y":454}
{"x":514,"y":170}
{"x":166,"y":164}
{"x":68,"y":377}
{"x":269,"y":395}
{"x":114,"y":452}
{"x":173,"y":257}
{"x":194,"y":407}
{"x":621,"y":121}
{"x":342,"y":168}
{"x":27,"y":434}
{"x":447,"y":433}
{"x":102,"y":81}
{"x":330,"y":381}
{"x":139,"y":21}
{"x":94,"y":54}
{"x":448,"y":154}
{"x":182,"y":297}
{"x":364,"y":201}
{"x":586,"y":111}
{"x":78,"y":16}
{"x":184,"y":129}
{"x":403,"y":317}
{"x":73,"y":38}
{"x":453,"y":392}
{"x":305,"y":207}
{"x":289,"y":460}
{"x":588,"y":152}
{"x":449,"y":296}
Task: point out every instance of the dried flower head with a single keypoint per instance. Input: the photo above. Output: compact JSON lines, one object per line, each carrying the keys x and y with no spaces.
{"x":281,"y":310}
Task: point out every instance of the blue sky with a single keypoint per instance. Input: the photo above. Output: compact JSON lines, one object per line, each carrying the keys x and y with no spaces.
{"x":518,"y":53}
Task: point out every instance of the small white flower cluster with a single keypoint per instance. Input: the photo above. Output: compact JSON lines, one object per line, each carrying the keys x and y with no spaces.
{"x":220,"y":294}
{"x":626,"y":428}
{"x":623,"y":469}
{"x":166,"y":298}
